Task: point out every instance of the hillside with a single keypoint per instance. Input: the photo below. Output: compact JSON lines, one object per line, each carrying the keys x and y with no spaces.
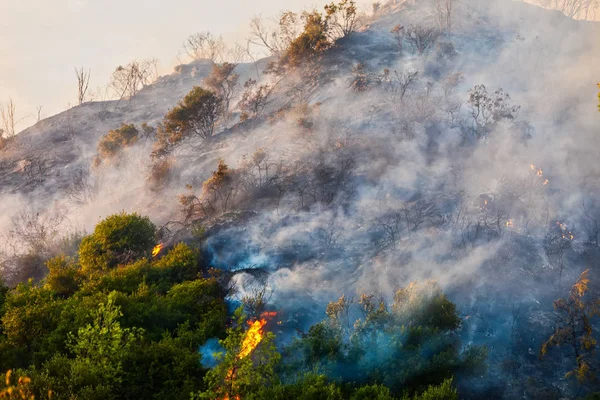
{"x":470,"y":161}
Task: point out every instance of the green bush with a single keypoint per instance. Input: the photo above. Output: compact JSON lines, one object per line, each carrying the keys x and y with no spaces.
{"x":118,"y":239}
{"x":64,"y":276}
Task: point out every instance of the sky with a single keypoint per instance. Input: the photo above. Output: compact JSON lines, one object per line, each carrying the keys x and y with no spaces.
{"x":44,"y":40}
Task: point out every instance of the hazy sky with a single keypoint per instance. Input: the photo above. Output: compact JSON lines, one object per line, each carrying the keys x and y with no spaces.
{"x":43,"y":40}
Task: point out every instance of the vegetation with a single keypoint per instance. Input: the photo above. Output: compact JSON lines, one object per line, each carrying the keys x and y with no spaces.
{"x":119,"y":239}
{"x":111,"y":144}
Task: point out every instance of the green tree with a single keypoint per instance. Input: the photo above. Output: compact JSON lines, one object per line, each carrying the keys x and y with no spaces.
{"x":118,"y":239}
{"x":238,"y":375}
{"x":96,"y":369}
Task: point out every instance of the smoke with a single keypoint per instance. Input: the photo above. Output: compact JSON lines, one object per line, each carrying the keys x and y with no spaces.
{"x":376,"y":194}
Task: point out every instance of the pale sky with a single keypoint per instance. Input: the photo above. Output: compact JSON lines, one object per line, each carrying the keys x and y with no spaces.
{"x":42,"y":41}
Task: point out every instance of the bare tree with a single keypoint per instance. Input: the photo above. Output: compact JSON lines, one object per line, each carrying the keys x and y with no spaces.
{"x":578,"y":9}
{"x":224,"y":82}
{"x":9,"y":122}
{"x":398,"y":32}
{"x":39,"y":113}
{"x":83,"y":188}
{"x":422,"y":38}
{"x":127,"y":80}
{"x":204,"y":45}
{"x":254,"y":99}
{"x":443,"y":13}
{"x":396,"y":84}
{"x":83,"y":83}
{"x":277,"y":40}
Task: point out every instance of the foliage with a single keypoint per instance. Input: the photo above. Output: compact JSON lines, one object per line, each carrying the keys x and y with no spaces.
{"x":19,"y":390}
{"x":118,"y":239}
{"x":116,"y":140}
{"x":342,"y":18}
{"x":218,"y":194}
{"x":64,"y":277}
{"x":313,"y":40}
{"x":235,"y":376}
{"x":575,"y":327}
{"x":195,"y":115}
{"x":128,"y":332}
{"x":407,"y":347}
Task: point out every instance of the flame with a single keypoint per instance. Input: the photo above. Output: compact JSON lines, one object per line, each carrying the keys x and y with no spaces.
{"x":156,"y":250}
{"x":255,"y":334}
{"x":509,"y":223}
{"x":545,"y":182}
{"x":532,"y":167}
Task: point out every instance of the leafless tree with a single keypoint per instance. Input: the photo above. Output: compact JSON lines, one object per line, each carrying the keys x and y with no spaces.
{"x":83,"y":188}
{"x":39,"y":113}
{"x":422,"y":38}
{"x":256,"y":299}
{"x":592,"y":223}
{"x":9,"y":122}
{"x":277,"y":40}
{"x":556,"y":243}
{"x":398,"y":32}
{"x":578,"y":9}
{"x":443,"y":13}
{"x":127,"y":80}
{"x":396,"y":84}
{"x":37,"y":233}
{"x":254,"y":99}
{"x":204,"y":46}
{"x":83,"y":83}
{"x":224,"y":82}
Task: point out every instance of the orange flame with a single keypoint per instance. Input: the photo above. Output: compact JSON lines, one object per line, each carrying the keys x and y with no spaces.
{"x":546,"y":182}
{"x":509,"y":223}
{"x":255,"y":334}
{"x":157,"y":249}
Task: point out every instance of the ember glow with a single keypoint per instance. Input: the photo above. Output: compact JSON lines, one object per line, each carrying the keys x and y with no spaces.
{"x":157,"y":249}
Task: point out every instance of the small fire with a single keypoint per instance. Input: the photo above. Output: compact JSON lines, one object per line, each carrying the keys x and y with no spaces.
{"x":566,"y":234}
{"x":509,"y":223}
{"x":157,"y":249}
{"x":254,"y":335}
{"x":546,"y":182}
{"x":532,"y":167}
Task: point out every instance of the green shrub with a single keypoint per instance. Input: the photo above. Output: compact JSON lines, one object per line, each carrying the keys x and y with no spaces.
{"x":118,"y":239}
{"x":64,"y":277}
